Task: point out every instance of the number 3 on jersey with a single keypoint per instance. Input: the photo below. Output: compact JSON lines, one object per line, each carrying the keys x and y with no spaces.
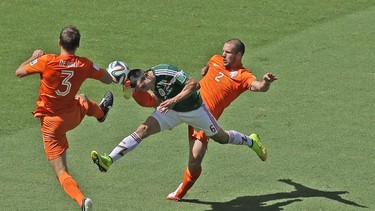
{"x":69,"y":74}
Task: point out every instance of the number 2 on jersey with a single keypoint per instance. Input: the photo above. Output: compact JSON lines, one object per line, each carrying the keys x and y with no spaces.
{"x":217,"y":78}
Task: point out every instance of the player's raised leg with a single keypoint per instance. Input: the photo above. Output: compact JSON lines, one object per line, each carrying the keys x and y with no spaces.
{"x":237,"y":138}
{"x":253,"y":141}
{"x":124,"y":147}
{"x":106,"y":104}
{"x":99,"y":111}
{"x":258,"y":147}
{"x":149,"y":127}
{"x":102,"y":161}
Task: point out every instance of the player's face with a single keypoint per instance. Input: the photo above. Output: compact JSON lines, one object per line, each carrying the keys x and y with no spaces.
{"x":144,"y":83}
{"x":229,"y":54}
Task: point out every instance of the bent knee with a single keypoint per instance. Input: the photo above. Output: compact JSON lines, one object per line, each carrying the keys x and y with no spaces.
{"x":220,"y":139}
{"x":195,"y":163}
{"x":144,"y":131}
{"x":194,"y":167}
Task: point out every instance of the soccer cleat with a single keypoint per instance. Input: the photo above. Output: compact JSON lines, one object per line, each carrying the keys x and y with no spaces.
{"x":86,"y":204}
{"x":258,"y":147}
{"x":172,"y":196}
{"x":106,"y":104}
{"x":103,"y":161}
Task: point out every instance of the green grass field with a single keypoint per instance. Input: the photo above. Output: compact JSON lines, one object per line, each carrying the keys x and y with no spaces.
{"x":317,"y":120}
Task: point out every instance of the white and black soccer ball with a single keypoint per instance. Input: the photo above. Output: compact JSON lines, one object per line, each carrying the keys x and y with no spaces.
{"x":119,"y":71}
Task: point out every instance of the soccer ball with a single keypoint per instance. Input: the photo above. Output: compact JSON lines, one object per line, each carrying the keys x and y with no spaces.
{"x":119,"y":71}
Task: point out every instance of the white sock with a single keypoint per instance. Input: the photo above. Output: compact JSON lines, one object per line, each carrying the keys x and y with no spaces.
{"x":125,"y":146}
{"x":238,"y":138}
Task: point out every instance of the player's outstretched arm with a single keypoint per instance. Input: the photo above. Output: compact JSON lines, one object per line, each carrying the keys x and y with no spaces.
{"x":106,"y":78}
{"x":190,"y":88}
{"x":263,"y":86}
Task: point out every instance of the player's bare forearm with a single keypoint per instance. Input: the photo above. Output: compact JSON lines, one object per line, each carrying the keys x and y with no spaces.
{"x":264,"y":85}
{"x":106,"y":78}
{"x":190,"y":88}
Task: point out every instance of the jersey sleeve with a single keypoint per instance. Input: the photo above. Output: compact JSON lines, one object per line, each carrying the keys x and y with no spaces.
{"x":95,"y":71}
{"x":180,"y":78}
{"x":249,"y":78}
{"x":37,"y":65}
{"x":145,"y":99}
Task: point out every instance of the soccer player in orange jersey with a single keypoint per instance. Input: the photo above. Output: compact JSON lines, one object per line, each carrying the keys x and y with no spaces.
{"x":224,"y":80}
{"x":59,"y":108}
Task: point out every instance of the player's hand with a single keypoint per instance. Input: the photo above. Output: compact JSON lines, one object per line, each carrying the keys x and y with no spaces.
{"x":38,"y":53}
{"x":269,"y":77}
{"x":162,"y":110}
{"x":168,"y":103}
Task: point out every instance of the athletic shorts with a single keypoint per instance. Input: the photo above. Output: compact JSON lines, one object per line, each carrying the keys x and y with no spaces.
{"x":54,"y":129}
{"x":194,"y":134}
{"x":200,"y":119}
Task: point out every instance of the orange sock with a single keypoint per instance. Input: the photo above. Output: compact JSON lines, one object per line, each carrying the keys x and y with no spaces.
{"x":95,"y":110}
{"x":70,"y":186}
{"x":188,"y":182}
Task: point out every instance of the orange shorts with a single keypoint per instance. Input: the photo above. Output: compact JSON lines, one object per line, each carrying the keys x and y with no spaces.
{"x":197,"y":135}
{"x":54,"y":129}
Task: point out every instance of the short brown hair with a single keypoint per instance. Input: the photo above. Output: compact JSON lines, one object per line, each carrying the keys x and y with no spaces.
{"x":239,"y":46}
{"x":70,"y":38}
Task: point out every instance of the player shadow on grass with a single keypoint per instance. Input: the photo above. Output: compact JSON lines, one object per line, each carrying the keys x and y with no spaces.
{"x":263,"y":202}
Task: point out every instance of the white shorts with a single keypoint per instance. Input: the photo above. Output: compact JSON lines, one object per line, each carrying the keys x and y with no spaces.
{"x":200,"y":119}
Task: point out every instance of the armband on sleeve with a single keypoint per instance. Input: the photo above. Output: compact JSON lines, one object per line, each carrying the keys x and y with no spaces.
{"x":180,"y":78}
{"x":145,"y":99}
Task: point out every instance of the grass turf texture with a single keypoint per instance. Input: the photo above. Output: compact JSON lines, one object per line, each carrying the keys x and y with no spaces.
{"x":317,"y":120}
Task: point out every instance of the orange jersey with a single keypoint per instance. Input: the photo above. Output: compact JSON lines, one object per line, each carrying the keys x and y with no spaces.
{"x":220,"y":86}
{"x":61,"y":76}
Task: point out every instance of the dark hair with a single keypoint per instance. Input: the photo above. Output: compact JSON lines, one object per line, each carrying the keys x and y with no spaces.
{"x":134,"y":75}
{"x":70,"y":38}
{"x":239,"y":46}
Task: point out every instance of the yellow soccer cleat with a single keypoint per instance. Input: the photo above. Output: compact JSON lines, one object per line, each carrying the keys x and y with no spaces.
{"x":103,"y":161}
{"x":258,"y":147}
